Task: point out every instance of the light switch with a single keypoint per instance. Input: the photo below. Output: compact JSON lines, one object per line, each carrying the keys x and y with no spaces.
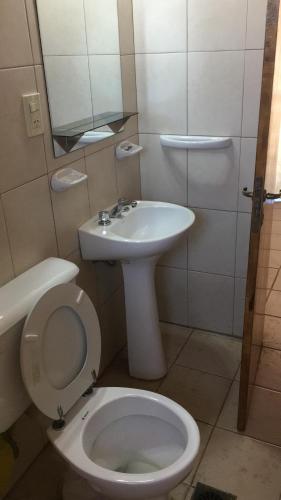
{"x":33,"y":114}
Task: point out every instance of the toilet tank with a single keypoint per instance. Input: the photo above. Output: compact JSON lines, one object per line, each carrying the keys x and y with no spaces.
{"x":16,"y":300}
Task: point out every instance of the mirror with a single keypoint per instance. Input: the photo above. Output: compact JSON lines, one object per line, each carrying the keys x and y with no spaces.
{"x":82,"y":62}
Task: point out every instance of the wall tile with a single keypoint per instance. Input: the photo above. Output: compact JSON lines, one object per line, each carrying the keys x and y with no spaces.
{"x":256,"y":24}
{"x":102,"y":26}
{"x":242,"y":245}
{"x":52,"y":162}
{"x":239,"y":306}
{"x":128,"y":71}
{"x":247,"y":172}
{"x":211,"y":243}
{"x":163,"y":171}
{"x":102,"y":179}
{"x":162,"y":100}
{"x":171,"y":286}
{"x":160,"y":26}
{"x":252,"y":92}
{"x":213,"y":26}
{"x":15,"y":48}
{"x":215,"y":90}
{"x":177,"y":256}
{"x":62,"y":26}
{"x":128,"y":176}
{"x":30,"y":224}
{"x":22,"y":158}
{"x":106,"y":83}
{"x":6,"y":267}
{"x":210,"y":302}
{"x":71,"y":209}
{"x":34,"y":31}
{"x":213,"y":177}
{"x":126,"y":26}
{"x":71,"y":102}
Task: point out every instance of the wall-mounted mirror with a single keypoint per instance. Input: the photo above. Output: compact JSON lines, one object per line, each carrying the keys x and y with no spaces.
{"x":81,"y":53}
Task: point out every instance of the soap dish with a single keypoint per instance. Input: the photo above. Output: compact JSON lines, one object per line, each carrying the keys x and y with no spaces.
{"x":66,"y":178}
{"x":126,"y":149}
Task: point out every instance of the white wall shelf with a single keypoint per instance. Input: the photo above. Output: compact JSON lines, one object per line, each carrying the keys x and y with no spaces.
{"x":195,"y":142}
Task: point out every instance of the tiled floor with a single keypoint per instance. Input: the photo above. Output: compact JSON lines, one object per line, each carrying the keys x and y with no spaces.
{"x":203,"y":368}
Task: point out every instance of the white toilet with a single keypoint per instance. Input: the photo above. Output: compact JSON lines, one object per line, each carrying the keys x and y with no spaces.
{"x":128,"y":444}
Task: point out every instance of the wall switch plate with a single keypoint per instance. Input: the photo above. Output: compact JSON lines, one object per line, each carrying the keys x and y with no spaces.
{"x":33,"y":114}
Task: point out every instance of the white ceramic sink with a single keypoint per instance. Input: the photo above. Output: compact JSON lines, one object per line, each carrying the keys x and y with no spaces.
{"x":149,"y":229}
{"x":138,"y":239}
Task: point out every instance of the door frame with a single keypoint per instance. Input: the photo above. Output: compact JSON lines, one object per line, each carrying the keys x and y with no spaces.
{"x":260,"y":171}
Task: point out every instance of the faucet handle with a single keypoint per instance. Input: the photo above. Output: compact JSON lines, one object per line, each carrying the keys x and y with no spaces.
{"x":104,"y":218}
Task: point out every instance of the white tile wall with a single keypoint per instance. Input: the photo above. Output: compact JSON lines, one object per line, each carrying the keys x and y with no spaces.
{"x":213,"y":177}
{"x":247,"y":172}
{"x":163,"y":171}
{"x":162,"y":97}
{"x":67,"y":38}
{"x":211,"y":243}
{"x":239,"y":303}
{"x":216,"y":25}
{"x":105,"y":75}
{"x":256,"y":24}
{"x":210,"y":302}
{"x":171,"y":285}
{"x":215,"y":90}
{"x":72,"y":102}
{"x":207,"y":86}
{"x":252,"y":92}
{"x":160,"y":26}
{"x":177,"y":257}
{"x":102,"y":26}
{"x":243,"y":239}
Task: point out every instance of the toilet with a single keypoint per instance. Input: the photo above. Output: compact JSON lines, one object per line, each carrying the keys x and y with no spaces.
{"x":125,"y":443}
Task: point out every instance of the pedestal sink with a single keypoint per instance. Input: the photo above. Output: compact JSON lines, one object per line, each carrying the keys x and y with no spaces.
{"x":138,"y":238}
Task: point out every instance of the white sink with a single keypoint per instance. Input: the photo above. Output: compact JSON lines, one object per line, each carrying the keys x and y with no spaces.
{"x":138,"y":239}
{"x":149,"y":229}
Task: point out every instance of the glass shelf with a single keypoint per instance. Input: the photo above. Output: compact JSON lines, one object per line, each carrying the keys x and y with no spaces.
{"x":114,"y":120}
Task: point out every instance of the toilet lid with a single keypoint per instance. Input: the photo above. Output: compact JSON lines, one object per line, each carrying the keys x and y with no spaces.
{"x":60,"y":349}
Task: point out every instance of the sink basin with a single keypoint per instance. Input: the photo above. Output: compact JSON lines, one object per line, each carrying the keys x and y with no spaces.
{"x":138,"y":239}
{"x":151,"y":228}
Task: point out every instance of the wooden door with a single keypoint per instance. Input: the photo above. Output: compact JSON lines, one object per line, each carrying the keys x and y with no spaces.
{"x":256,"y":295}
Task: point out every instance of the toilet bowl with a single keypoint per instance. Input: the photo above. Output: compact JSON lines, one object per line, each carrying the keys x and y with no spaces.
{"x":124,"y":443}
{"x":128,"y":444}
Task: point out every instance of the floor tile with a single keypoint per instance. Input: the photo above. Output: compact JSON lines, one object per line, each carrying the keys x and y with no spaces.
{"x":242,"y":466}
{"x":211,"y":353}
{"x":228,"y":417}
{"x":117,"y":375}
{"x":205,"y":432}
{"x":264,"y":415}
{"x":174,"y":338}
{"x":200,"y":393}
{"x":189,"y":494}
{"x":269,"y":372}
{"x":179,"y":493}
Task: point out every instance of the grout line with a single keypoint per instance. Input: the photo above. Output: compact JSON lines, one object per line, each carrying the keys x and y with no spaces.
{"x":206,"y":373}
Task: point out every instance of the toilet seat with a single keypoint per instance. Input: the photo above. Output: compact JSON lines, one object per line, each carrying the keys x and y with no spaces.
{"x":87,"y":421}
{"x":60,"y":349}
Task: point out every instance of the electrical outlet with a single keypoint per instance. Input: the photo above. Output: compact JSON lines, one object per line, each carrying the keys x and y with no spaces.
{"x":33,"y":114}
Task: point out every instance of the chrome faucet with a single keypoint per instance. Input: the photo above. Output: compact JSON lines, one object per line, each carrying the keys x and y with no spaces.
{"x":123,"y":205}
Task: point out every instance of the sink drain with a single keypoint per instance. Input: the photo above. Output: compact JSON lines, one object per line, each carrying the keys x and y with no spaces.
{"x":205,"y":492}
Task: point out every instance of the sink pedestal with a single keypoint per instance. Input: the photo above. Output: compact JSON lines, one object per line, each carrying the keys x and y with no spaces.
{"x":145,"y":348}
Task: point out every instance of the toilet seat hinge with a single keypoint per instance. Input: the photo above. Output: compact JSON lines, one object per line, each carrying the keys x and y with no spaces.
{"x":89,"y":391}
{"x":60,"y":422}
